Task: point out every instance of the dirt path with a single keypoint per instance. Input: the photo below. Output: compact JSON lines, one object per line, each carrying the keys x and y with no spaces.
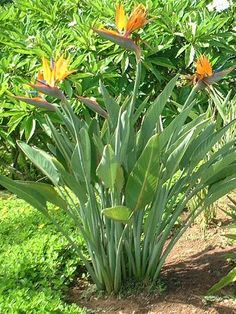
{"x":194,"y":265}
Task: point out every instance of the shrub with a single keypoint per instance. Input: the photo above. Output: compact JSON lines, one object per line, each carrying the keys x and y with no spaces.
{"x":115,"y":174}
{"x":37,"y":264}
{"x":178,"y":32}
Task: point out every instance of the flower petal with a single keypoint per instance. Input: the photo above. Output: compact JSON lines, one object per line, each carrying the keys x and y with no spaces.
{"x":204,"y":68}
{"x":48,"y":73}
{"x":137,"y":19}
{"x":120,"y":17}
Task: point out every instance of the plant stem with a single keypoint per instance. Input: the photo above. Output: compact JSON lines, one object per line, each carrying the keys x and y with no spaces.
{"x":136,"y":88}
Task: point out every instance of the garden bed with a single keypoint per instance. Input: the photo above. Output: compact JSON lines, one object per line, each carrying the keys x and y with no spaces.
{"x":196,"y":263}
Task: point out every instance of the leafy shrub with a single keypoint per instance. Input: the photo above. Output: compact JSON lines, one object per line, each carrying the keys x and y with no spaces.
{"x":114,"y":177}
{"x":176,"y":34}
{"x":36,"y":263}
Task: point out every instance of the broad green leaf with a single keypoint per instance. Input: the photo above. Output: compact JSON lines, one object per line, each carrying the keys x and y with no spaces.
{"x":122,"y":135}
{"x":108,"y":168}
{"x":228,"y":148}
{"x":173,"y":161}
{"x":24,"y":192}
{"x":226,"y":280}
{"x":220,"y":189}
{"x":118,"y":213}
{"x":47,"y":191}
{"x":85,"y":153}
{"x":218,"y":170}
{"x":143,"y":179}
{"x":171,"y":132}
{"x":60,"y":142}
{"x":189,"y":55}
{"x":220,"y":105}
{"x":29,"y":126}
{"x":41,"y":160}
{"x":208,"y":131}
{"x":140,"y":109}
{"x":76,"y":163}
{"x":77,"y":187}
{"x":203,"y":148}
{"x":111,"y":105}
{"x":153,"y":113}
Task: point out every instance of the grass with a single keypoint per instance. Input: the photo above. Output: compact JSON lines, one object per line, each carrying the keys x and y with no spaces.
{"x":36,"y":261}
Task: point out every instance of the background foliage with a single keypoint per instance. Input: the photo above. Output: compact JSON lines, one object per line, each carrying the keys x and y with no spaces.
{"x":176,"y":33}
{"x":36,"y":262}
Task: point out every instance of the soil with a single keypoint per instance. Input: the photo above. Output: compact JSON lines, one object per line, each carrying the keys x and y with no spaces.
{"x":197,"y":262}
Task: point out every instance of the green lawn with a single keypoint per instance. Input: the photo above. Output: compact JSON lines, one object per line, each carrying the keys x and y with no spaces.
{"x":36,"y":261}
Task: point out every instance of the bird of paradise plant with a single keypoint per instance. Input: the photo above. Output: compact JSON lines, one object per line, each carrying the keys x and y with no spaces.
{"x":51,"y":73}
{"x":203,"y":68}
{"x":125,"y":27}
{"x":205,"y":74}
{"x":116,"y":178}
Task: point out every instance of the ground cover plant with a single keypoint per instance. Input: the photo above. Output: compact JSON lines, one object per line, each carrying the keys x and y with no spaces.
{"x":124,"y":176}
{"x":36,"y":262}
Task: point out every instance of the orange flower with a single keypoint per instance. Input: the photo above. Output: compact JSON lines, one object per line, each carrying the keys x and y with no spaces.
{"x":136,"y":20}
{"x":54,"y":71}
{"x":125,"y":27}
{"x":205,"y":74}
{"x":204,"y":68}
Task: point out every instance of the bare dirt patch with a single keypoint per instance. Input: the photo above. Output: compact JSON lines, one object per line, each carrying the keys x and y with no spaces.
{"x":195,"y":264}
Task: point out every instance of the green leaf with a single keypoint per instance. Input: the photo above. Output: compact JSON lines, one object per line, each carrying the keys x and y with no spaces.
{"x":47,"y":191}
{"x":42,"y":160}
{"x":68,"y":88}
{"x":29,"y":126}
{"x":76,"y":163}
{"x":111,"y":105}
{"x":218,"y":170}
{"x":172,"y":131}
{"x":226,"y":280}
{"x":220,"y":189}
{"x":143,"y":179}
{"x":108,"y":168}
{"x":173,"y":161}
{"x":153,"y":113}
{"x":122,"y":134}
{"x":189,"y":55}
{"x":207,"y":143}
{"x":24,"y":192}
{"x":118,"y":213}
{"x":209,"y":130}
{"x":85,"y":153}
